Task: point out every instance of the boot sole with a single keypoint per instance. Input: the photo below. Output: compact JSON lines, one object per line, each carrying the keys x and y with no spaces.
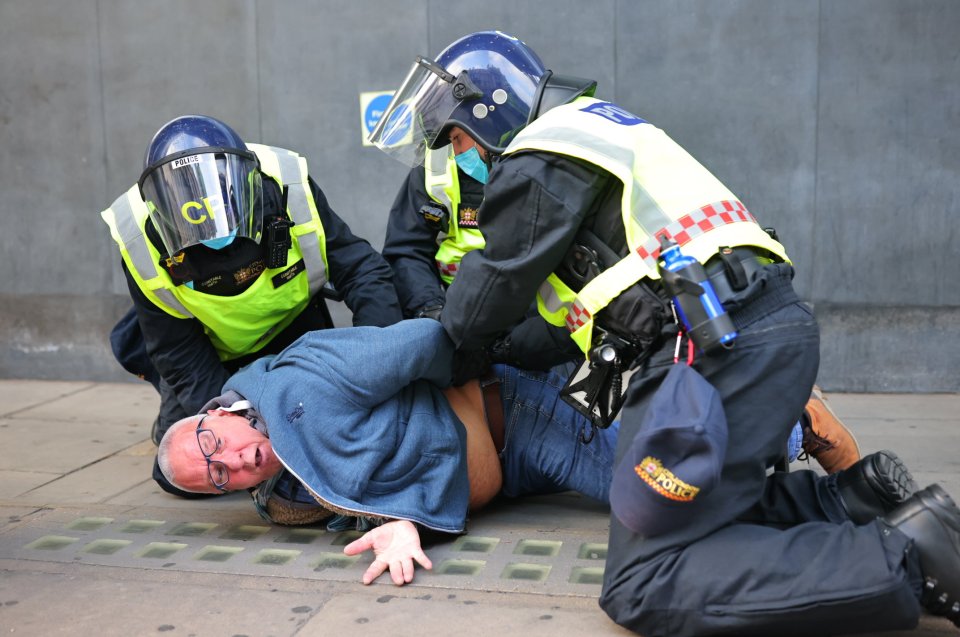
{"x":890,"y":479}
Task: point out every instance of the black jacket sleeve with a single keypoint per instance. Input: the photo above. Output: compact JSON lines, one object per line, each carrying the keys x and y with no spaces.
{"x":180,"y":350}
{"x":357,"y":271}
{"x":533,"y":207}
{"x":535,"y":344}
{"x":410,"y":248}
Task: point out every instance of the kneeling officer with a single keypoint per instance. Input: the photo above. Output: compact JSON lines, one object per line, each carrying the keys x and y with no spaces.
{"x":227,"y":250}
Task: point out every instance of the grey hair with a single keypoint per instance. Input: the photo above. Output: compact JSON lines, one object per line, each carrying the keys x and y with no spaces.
{"x":164,"y":450}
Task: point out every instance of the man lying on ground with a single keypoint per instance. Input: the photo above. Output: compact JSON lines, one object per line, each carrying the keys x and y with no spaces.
{"x":365,"y":419}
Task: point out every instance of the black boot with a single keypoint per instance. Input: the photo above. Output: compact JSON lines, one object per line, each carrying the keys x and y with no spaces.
{"x":874,"y":486}
{"x":932,"y":520}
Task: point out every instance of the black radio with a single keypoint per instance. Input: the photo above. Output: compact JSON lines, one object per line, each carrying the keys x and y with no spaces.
{"x":278,"y":241}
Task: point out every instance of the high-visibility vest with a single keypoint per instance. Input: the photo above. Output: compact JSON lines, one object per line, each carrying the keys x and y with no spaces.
{"x":244,"y":323}
{"x":665,"y":190}
{"x":443,"y":186}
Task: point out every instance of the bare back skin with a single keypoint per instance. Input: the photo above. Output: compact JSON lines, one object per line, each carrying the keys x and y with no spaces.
{"x":483,"y":464}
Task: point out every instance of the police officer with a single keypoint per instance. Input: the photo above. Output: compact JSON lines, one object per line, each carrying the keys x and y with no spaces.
{"x":227,"y":251}
{"x":575,"y":179}
{"x":431,"y":225}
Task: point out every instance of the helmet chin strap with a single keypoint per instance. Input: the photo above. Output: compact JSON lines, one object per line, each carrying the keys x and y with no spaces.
{"x":555,"y":90}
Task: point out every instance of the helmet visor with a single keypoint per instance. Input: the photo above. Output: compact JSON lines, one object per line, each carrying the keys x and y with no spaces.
{"x":204,"y":195}
{"x":417,"y":113}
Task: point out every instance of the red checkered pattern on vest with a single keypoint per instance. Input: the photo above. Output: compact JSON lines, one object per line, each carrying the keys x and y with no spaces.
{"x":448,"y":269}
{"x":693,"y":225}
{"x":577,"y":317}
{"x":682,"y":230}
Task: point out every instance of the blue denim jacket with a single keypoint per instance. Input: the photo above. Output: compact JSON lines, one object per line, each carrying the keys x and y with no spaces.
{"x":358,"y":416}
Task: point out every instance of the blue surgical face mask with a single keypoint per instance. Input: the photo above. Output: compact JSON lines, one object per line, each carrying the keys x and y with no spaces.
{"x":220,"y":242}
{"x":471,"y":163}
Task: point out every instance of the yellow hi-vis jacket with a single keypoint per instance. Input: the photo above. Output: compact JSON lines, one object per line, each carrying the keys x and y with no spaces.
{"x":244,"y":323}
{"x":443,"y":186}
{"x":665,"y":190}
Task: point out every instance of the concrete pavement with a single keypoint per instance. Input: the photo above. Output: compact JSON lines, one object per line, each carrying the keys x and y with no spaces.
{"x":89,"y":545}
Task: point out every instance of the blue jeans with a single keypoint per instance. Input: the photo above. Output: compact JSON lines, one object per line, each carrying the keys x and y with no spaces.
{"x":542,"y":450}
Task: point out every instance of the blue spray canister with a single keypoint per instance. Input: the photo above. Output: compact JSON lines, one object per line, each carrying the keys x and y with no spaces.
{"x":685,"y":280}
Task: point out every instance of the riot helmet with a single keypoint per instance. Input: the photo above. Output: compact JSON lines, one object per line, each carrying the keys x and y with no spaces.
{"x":201,"y":185}
{"x":489,"y":84}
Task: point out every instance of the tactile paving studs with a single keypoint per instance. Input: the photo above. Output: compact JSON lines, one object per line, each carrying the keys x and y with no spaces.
{"x":519,"y":559}
{"x":345,"y":538}
{"x":333,"y":560}
{"x":592,"y":551}
{"x":275,"y":557}
{"x":51,"y":543}
{"x":161,"y":550}
{"x":545,"y":548}
{"x":460,"y":567}
{"x":300,"y":536}
{"x":244,"y":532}
{"x":141,"y":526}
{"x":191,"y":529}
{"x":105,"y":546}
{"x":528,"y":572}
{"x":213,"y":553}
{"x":475,"y":544}
{"x":586,"y":575}
{"x":88,"y":524}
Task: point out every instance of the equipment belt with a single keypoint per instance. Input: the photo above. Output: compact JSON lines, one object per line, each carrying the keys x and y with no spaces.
{"x":493,"y":410}
{"x":731,"y":274}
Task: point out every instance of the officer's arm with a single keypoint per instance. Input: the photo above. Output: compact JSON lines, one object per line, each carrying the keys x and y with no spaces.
{"x":357,"y":271}
{"x":180,"y":350}
{"x":533,"y":206}
{"x":410,"y":248}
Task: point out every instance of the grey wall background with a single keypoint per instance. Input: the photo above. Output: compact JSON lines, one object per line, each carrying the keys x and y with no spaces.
{"x":836,"y":121}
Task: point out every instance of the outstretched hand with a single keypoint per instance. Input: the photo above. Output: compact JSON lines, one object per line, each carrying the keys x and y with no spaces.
{"x":396,"y":545}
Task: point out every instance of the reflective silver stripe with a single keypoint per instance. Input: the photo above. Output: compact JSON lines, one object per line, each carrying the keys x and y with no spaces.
{"x":297,"y":193}
{"x":646,"y":212}
{"x":167,"y":298}
{"x":135,"y":244}
{"x":551,"y":300}
{"x":436,"y":177}
{"x":132,"y":237}
{"x":299,"y":208}
{"x":310,"y":248}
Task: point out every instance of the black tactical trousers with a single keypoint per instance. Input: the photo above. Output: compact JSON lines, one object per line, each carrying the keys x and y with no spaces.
{"x":788,"y":563}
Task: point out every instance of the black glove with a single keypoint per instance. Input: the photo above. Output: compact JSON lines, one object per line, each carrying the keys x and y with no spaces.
{"x":501,"y":351}
{"x":469,"y":364}
{"x":431,"y":312}
{"x":536,"y":345}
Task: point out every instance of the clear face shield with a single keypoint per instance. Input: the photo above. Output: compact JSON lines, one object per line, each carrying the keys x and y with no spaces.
{"x":418,"y":111}
{"x":205,"y":195}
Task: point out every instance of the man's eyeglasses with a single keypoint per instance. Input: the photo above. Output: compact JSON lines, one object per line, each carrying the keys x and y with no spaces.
{"x":209,"y":445}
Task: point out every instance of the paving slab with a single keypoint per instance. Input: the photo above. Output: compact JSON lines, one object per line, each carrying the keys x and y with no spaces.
{"x":20,"y":394}
{"x":37,"y":444}
{"x":131,"y":404}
